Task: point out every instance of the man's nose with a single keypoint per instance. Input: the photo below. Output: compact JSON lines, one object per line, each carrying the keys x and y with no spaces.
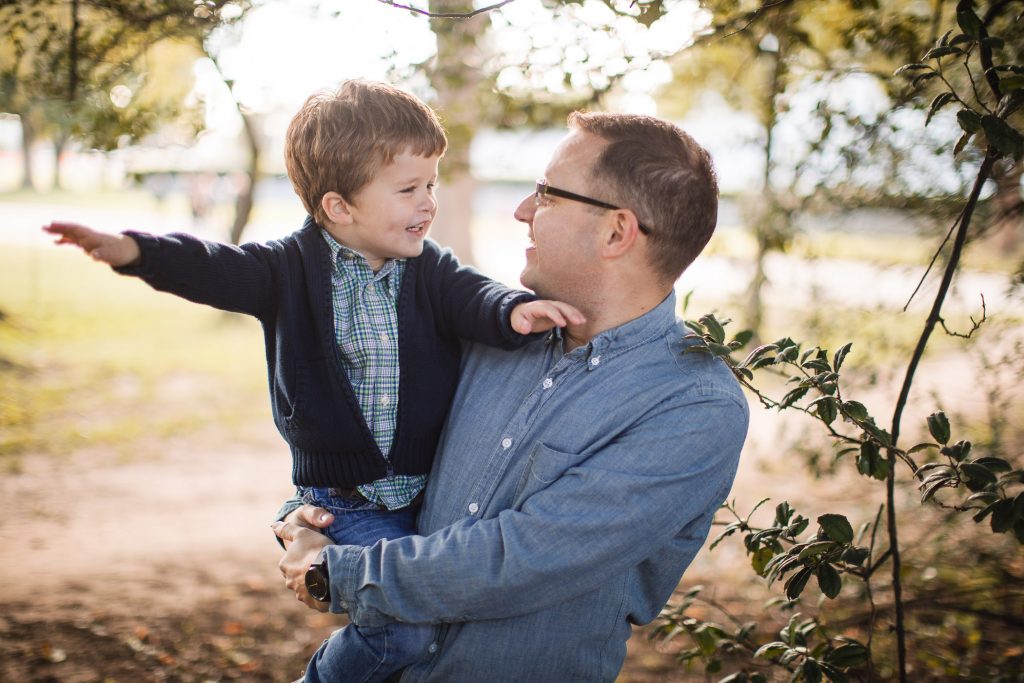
{"x":524,"y":212}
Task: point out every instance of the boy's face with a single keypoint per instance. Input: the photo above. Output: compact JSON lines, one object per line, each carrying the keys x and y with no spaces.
{"x":391,"y":215}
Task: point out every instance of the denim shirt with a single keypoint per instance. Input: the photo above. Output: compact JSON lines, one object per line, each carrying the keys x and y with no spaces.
{"x":569,"y":494}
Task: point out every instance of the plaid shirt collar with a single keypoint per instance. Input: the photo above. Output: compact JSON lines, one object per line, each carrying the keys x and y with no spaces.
{"x":351,"y":261}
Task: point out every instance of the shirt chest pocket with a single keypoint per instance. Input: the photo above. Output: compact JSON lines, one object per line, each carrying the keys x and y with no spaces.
{"x":546,"y":465}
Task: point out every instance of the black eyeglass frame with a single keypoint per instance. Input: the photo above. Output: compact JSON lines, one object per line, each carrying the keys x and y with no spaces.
{"x":543,"y":188}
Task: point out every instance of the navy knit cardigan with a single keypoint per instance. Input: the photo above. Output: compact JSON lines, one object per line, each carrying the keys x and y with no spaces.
{"x":286,"y":284}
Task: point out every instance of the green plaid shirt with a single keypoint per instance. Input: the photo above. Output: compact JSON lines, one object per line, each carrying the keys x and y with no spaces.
{"x":366,"y":327}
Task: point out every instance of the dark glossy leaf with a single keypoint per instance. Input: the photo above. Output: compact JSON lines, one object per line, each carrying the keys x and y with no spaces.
{"x":969,"y":120}
{"x":840,"y":357}
{"x":855,"y":555}
{"x":977,"y":473}
{"x":1002,"y":136}
{"x":906,"y":68}
{"x":826,"y":409}
{"x":759,"y":559}
{"x":796,"y":583}
{"x":1002,"y":516}
{"x":855,"y":410}
{"x":938,"y":425}
{"x":829,"y":580}
{"x":836,"y":527}
{"x":815,"y":549}
{"x":961,"y":143}
{"x":993,"y":463}
{"x":714,"y":328}
{"x":811,"y":670}
{"x":940,"y":101}
{"x":792,"y":397}
{"x":967,"y":20}
{"x":940,"y":52}
{"x":848,"y":656}
{"x":771,"y":650}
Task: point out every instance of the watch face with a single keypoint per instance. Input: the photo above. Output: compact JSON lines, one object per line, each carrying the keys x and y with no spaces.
{"x":317,"y":585}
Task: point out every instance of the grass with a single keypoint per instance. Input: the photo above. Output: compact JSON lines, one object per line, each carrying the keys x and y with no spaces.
{"x":91,"y":358}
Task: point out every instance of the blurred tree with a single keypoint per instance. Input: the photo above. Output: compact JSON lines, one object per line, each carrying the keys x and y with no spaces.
{"x":819,"y":74}
{"x":493,"y":72}
{"x":104,"y":71}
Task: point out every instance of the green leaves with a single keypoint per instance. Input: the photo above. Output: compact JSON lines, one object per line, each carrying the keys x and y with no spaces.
{"x":938,"y":425}
{"x":836,"y":527}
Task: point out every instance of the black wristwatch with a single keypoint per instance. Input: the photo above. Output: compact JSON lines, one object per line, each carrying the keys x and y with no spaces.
{"x":318,"y":580}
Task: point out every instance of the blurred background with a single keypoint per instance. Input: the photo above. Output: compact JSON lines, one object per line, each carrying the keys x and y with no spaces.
{"x":138,"y":460}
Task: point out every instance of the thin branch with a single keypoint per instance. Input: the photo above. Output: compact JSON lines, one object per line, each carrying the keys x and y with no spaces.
{"x":975,"y":324}
{"x":954,"y":260}
{"x":447,"y":15}
{"x":935,"y":257}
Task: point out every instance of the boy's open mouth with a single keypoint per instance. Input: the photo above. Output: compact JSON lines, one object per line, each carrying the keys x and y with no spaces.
{"x":419,"y":228}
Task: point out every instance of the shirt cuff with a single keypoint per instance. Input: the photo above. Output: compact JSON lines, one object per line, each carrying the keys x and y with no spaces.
{"x":343,"y":569}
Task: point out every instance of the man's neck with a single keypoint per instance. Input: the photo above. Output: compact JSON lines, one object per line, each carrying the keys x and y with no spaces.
{"x":610,"y":312}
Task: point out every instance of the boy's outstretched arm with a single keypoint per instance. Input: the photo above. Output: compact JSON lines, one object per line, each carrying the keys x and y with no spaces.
{"x":543,"y":314}
{"x":116,"y":250}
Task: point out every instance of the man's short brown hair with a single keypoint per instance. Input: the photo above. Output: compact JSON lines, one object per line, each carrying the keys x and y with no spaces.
{"x":655,"y":169}
{"x":340,"y":139}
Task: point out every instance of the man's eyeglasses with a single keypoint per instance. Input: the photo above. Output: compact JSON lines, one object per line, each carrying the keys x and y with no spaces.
{"x":544,"y":189}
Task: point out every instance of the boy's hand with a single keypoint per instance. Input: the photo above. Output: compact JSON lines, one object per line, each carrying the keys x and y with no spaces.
{"x":542,"y":315}
{"x":116,"y":250}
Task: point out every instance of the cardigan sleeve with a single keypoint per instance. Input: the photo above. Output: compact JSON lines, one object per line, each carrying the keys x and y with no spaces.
{"x":232,"y":278}
{"x":472,"y":306}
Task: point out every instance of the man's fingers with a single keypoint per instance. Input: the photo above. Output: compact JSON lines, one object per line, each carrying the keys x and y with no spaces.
{"x":286,"y":532}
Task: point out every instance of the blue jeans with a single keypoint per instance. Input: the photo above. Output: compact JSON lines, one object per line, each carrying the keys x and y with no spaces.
{"x":365,"y":654}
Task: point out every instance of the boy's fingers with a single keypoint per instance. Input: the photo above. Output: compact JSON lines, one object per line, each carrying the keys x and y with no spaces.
{"x":315,"y":517}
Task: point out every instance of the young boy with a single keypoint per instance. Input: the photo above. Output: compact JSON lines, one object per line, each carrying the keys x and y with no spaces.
{"x":362,"y":320}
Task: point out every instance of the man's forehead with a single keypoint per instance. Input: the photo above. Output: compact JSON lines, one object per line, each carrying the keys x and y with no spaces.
{"x":574,"y":155}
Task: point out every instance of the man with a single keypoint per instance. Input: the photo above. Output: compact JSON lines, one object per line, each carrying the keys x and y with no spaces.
{"x":578,"y":477}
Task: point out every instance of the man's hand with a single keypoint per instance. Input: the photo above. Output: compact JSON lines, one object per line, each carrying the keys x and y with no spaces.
{"x":543,"y":314}
{"x":116,"y":250}
{"x":303,"y":545}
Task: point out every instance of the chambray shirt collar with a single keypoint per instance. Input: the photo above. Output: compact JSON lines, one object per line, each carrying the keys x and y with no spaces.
{"x":616,"y":340}
{"x":348,"y":260}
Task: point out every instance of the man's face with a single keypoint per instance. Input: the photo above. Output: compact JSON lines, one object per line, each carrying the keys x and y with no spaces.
{"x":564,"y":236}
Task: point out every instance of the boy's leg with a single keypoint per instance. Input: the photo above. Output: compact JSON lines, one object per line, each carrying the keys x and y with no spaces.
{"x":367,"y":654}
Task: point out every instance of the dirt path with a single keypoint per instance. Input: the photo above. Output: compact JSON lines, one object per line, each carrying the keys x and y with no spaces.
{"x":163,"y":570}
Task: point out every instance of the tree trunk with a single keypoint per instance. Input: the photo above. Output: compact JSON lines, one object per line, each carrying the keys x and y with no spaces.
{"x":28,"y":136}
{"x":60,"y":142}
{"x":246,"y":195}
{"x":456,"y":78}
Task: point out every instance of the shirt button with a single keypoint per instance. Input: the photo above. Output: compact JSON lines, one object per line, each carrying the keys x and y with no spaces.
{"x":596,"y":360}
{"x":473,"y":507}
{"x":383,"y":337}
{"x":548,"y":383}
{"x":433,"y":648}
{"x":506,"y":443}
{"x":385,"y":400}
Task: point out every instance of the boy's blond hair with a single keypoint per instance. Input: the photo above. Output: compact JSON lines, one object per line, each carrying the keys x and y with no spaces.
{"x":340,"y":139}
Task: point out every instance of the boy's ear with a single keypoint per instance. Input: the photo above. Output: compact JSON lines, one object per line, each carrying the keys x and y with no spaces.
{"x":336,"y":208}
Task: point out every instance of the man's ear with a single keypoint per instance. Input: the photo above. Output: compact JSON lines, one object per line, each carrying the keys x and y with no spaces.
{"x":620,"y":233}
{"x":337,"y":209}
